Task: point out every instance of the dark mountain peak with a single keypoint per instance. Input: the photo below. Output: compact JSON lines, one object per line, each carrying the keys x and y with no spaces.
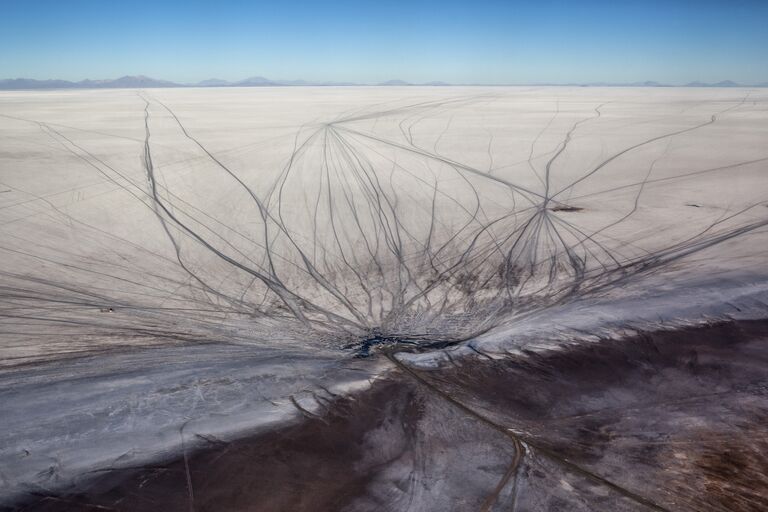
{"x":724,"y":83}
{"x":256,"y":80}
{"x":394,"y":82}
{"x":138,"y":81}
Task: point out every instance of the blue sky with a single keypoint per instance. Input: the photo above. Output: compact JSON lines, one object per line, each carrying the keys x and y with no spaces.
{"x":672,"y":41}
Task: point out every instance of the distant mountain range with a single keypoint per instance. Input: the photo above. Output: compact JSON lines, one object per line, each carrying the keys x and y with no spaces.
{"x":142,"y":82}
{"x":260,"y":81}
{"x":125,"y":82}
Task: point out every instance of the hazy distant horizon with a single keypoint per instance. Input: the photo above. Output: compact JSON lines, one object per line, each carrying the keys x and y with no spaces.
{"x":144,"y":81}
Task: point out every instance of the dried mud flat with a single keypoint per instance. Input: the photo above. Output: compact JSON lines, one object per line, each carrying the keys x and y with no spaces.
{"x":660,"y":421}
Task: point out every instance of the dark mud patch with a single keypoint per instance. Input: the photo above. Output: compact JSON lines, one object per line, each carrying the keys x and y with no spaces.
{"x":391,"y":448}
{"x":734,"y":471}
{"x":566,"y":208}
{"x":304,"y":467}
{"x":664,"y":421}
{"x":678,"y":417}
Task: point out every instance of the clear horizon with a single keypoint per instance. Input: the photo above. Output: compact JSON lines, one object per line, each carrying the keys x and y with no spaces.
{"x":484,"y":42}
